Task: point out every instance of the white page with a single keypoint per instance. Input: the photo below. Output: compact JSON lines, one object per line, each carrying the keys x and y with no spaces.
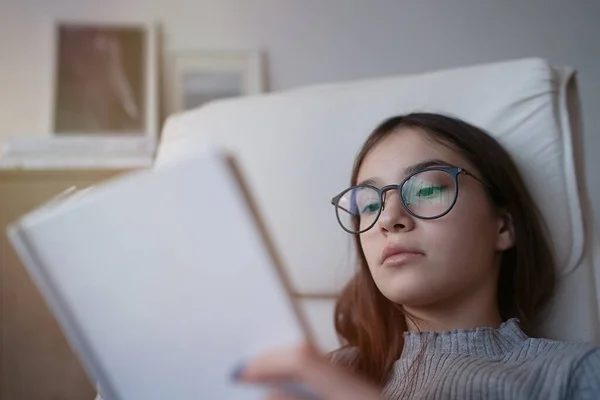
{"x":161,"y":281}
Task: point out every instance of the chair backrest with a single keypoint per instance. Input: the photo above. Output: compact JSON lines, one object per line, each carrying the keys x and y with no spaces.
{"x":296,"y":149}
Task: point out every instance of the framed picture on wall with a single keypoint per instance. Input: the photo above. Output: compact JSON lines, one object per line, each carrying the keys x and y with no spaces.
{"x":105,"y":80}
{"x":197,"y":78}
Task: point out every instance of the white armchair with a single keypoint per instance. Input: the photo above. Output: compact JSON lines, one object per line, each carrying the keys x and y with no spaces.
{"x":297,"y":147}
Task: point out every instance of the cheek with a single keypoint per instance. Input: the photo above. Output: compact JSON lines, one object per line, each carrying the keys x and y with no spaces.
{"x":372,"y":245}
{"x":466,"y":235}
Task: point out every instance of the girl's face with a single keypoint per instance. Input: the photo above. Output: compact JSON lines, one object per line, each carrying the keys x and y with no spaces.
{"x":431,"y":262}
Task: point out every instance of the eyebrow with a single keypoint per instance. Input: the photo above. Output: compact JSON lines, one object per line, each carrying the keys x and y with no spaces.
{"x":411,"y":169}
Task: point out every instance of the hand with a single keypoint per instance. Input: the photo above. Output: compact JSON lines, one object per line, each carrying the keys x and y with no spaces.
{"x":302,"y":365}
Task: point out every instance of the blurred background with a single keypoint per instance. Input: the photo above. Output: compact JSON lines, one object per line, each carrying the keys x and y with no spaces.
{"x":314,"y":41}
{"x":303,"y":42}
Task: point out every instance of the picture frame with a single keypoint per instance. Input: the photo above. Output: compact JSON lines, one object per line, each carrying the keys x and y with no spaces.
{"x":105,"y":83}
{"x":199,"y":77}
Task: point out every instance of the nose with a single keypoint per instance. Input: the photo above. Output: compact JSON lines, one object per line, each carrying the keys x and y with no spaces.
{"x":394,"y":217}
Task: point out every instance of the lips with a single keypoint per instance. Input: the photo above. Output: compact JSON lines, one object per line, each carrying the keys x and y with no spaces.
{"x":394,"y":255}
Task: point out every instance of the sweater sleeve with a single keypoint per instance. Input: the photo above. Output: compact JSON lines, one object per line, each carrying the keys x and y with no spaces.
{"x":585,"y":379}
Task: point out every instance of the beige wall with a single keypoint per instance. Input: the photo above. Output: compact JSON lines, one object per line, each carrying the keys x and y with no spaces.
{"x":316,"y":41}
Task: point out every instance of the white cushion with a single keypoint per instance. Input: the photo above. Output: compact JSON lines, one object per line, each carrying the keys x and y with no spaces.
{"x":296,"y":149}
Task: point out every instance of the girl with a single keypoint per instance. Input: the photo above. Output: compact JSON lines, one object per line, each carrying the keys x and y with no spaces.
{"x":455,"y":273}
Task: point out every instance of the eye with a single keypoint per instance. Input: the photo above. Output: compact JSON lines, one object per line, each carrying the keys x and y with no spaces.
{"x":367,"y":200}
{"x":430,"y":191}
{"x":370,"y":208}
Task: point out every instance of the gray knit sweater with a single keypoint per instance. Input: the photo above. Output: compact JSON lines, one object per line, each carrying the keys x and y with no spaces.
{"x":488,"y":363}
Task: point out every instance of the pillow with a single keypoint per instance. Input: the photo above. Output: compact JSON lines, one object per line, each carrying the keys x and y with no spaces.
{"x":297,"y":147}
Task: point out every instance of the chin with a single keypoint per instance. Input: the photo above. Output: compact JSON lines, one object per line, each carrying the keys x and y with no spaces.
{"x":411,"y":301}
{"x":413,"y":294}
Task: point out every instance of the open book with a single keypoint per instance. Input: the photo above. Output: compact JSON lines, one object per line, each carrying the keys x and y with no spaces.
{"x":162,"y":280}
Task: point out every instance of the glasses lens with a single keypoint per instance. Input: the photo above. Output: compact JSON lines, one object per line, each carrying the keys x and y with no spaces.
{"x":429,"y":194}
{"x":358,"y":208}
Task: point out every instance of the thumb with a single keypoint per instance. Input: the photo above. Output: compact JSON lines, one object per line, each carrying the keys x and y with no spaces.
{"x":302,"y":364}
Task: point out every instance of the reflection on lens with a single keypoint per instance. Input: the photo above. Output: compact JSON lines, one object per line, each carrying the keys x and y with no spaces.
{"x":358,"y":208}
{"x":429,"y":193}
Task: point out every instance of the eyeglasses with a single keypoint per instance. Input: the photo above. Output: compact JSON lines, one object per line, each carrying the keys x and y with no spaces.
{"x":427,"y":194}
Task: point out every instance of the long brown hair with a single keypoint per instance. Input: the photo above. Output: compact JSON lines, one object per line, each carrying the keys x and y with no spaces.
{"x":371,"y":325}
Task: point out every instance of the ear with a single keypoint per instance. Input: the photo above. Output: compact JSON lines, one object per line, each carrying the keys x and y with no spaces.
{"x":506,"y":231}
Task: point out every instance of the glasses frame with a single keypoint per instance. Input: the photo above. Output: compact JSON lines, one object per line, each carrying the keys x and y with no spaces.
{"x":453,"y":171}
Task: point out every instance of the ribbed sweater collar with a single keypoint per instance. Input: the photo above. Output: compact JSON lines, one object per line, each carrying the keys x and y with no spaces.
{"x":484,"y":341}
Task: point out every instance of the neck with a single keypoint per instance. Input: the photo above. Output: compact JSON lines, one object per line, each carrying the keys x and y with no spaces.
{"x":479,"y":309}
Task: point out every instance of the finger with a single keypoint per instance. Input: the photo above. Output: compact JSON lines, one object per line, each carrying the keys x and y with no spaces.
{"x":279,"y":364}
{"x":303,"y":365}
{"x":281,"y":395}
